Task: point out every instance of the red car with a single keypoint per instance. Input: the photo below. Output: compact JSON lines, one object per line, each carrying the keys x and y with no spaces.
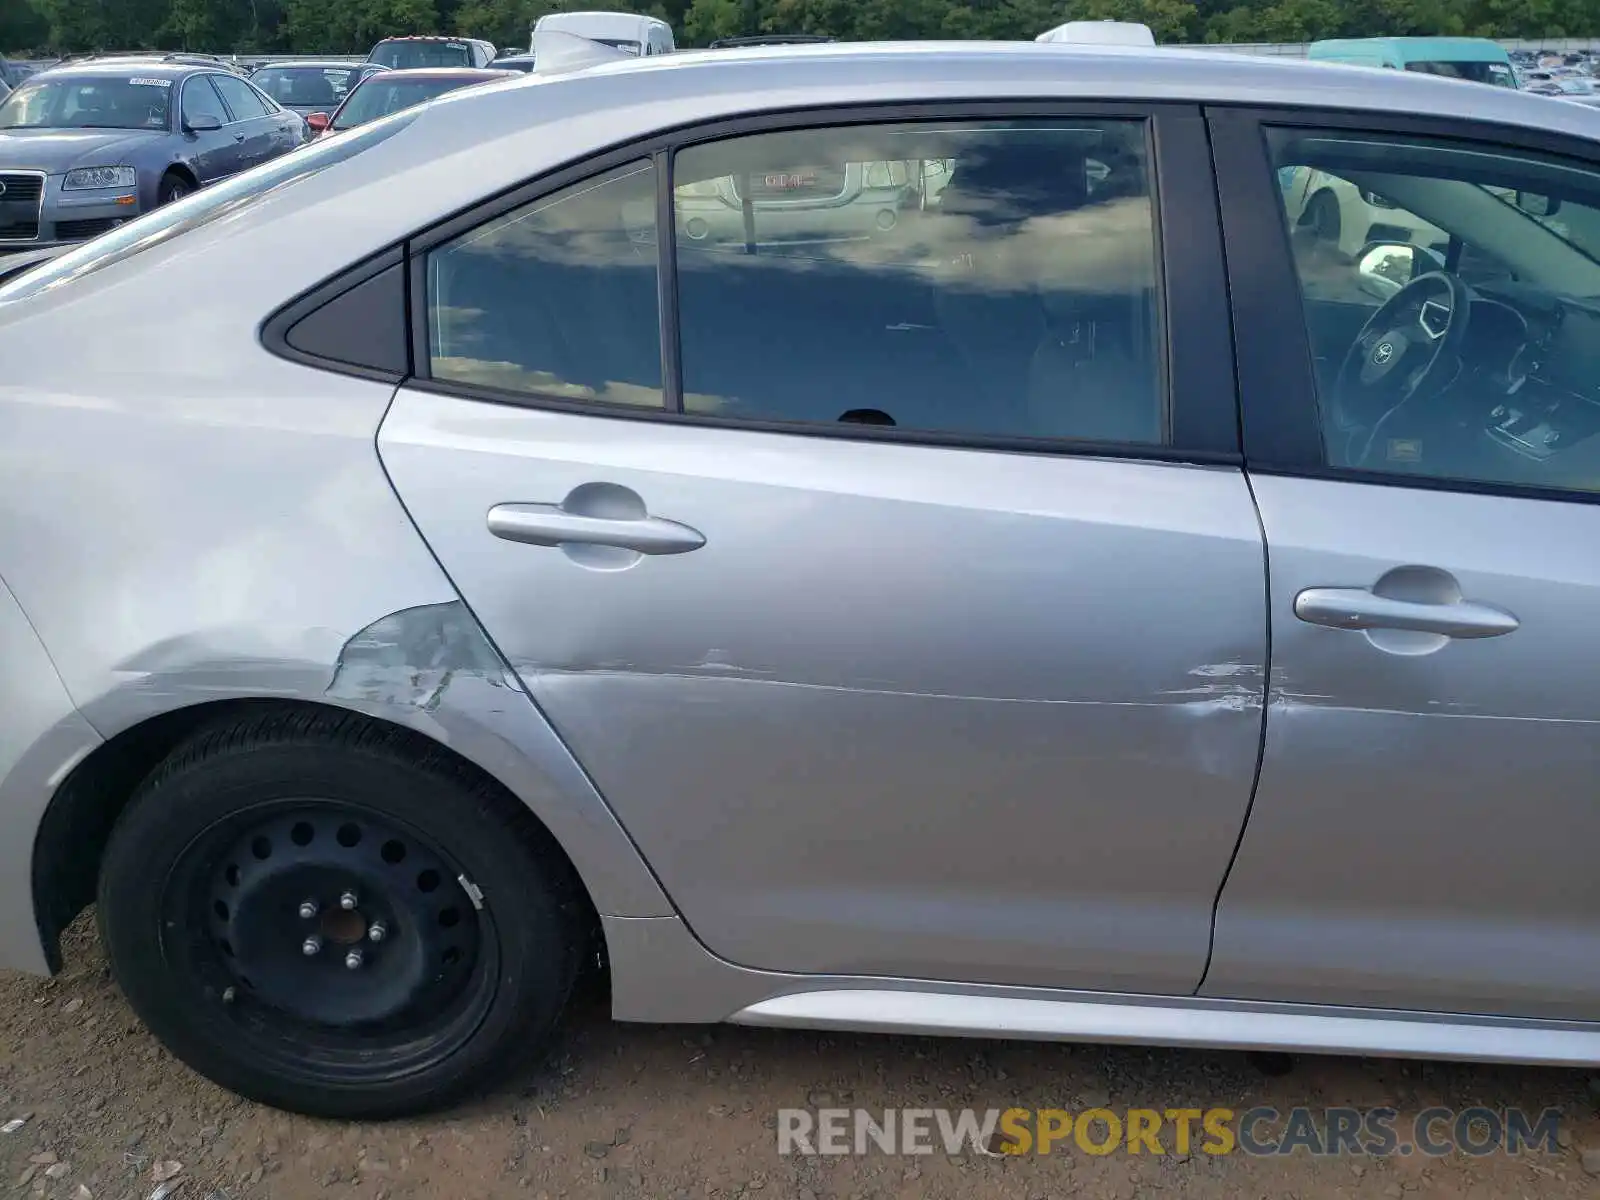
{"x":390,"y":91}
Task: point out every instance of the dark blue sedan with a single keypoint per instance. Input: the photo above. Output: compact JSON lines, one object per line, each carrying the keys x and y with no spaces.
{"x":86,"y":147}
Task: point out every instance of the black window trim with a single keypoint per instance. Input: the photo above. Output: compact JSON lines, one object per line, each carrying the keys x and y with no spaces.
{"x":1197,"y":367}
{"x":1197,"y":362}
{"x":1278,"y":401}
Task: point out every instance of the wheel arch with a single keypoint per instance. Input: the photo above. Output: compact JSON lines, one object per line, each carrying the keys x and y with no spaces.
{"x":181,"y":167}
{"x":75,"y":829}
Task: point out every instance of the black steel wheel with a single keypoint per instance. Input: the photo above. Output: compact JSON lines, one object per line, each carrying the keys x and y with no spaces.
{"x":309,"y":915}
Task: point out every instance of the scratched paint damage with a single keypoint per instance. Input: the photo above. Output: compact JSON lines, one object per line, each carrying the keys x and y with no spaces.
{"x":1232,"y":686}
{"x":413,"y":657}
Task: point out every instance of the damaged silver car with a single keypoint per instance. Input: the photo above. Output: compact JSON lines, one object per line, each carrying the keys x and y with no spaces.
{"x":1057,"y":597}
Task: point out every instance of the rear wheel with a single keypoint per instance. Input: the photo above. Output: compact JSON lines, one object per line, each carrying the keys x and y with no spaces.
{"x":173,"y":187}
{"x":309,"y":915}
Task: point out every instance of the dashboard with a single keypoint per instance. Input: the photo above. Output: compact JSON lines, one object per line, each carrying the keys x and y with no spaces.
{"x":1542,"y":354}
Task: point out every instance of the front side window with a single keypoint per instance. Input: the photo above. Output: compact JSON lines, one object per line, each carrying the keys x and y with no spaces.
{"x":200,"y":99}
{"x":1451,"y":294}
{"x":558,"y":297}
{"x":994,"y":278}
{"x":133,"y":101}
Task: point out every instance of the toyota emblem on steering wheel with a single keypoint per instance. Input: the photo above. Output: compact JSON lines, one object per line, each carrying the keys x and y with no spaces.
{"x":1382,"y":353}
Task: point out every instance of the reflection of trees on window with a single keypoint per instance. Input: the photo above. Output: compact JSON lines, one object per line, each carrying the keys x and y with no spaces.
{"x":557,"y":297}
{"x":1008,"y":285}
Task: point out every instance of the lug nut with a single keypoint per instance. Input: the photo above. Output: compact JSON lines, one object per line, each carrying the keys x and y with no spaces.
{"x":312,"y":945}
{"x":308,"y":909}
{"x":353,"y":959}
{"x":348,"y":901}
{"x":378,"y":932}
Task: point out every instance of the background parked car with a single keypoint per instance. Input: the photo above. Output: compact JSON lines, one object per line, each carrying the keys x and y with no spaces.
{"x":516,"y":62}
{"x":390,"y":91}
{"x":312,"y":87}
{"x":86,"y":148}
{"x":1344,"y":216}
{"x":408,"y":53}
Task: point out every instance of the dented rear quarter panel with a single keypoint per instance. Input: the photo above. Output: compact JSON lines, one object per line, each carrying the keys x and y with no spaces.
{"x":224,"y":529}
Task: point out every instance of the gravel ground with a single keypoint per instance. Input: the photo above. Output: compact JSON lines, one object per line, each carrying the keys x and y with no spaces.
{"x":673,"y":1112}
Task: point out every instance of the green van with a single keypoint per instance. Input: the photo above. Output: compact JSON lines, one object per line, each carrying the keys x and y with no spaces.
{"x":1477,"y":60}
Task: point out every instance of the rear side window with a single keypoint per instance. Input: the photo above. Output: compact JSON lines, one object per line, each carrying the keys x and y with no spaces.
{"x":243,"y":99}
{"x":558,"y":297}
{"x":994,"y":278}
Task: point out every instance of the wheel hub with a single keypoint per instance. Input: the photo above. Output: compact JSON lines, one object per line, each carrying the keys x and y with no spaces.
{"x":330,"y":917}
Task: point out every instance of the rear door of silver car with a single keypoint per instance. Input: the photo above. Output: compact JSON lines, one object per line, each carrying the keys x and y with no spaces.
{"x":906,"y":601}
{"x":1423,"y":830}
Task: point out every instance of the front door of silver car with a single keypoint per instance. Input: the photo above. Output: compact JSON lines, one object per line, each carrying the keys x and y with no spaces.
{"x":907,"y":604}
{"x":1421,"y":835}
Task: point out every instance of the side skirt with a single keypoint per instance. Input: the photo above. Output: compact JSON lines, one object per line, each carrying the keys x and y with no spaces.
{"x":662,"y":974}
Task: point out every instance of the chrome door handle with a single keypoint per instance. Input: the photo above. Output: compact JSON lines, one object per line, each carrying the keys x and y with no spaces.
{"x":1357,"y":608}
{"x":552,"y":525}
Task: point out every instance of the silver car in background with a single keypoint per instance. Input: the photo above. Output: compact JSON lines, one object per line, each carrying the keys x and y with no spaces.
{"x":1088,"y":607}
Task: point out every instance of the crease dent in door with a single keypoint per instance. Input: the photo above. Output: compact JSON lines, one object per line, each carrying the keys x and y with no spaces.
{"x":1233,"y":686}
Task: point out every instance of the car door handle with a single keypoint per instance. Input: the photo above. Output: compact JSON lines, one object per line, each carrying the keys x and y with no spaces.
{"x":238,"y":137}
{"x":1358,"y":608}
{"x":552,"y":525}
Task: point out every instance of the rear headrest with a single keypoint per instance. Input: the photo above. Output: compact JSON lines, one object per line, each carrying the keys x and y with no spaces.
{"x":1003,"y":183}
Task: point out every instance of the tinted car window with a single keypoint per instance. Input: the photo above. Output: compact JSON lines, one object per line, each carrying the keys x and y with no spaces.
{"x":404,"y":55}
{"x":203,"y":207}
{"x":380,"y":95}
{"x":995,"y":278}
{"x":131,"y":101}
{"x":241,"y":97}
{"x":308,"y":87}
{"x":557,"y":297}
{"x":200,"y":99}
{"x":1504,"y":390}
{"x":1497,"y":74}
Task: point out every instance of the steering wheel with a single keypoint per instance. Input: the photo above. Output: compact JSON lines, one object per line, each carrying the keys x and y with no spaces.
{"x":1410,"y":347}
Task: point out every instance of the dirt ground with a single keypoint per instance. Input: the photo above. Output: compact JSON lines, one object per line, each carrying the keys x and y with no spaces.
{"x":674,"y":1112}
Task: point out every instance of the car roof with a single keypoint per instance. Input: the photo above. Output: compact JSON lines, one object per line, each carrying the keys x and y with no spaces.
{"x":151,"y":68}
{"x":461,"y":73}
{"x":325,"y":64}
{"x":739,"y":79}
{"x":524,"y":127}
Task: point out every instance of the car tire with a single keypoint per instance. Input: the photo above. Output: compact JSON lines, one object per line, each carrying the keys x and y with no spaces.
{"x":258,"y":836}
{"x":173,"y":187}
{"x":1322,"y":216}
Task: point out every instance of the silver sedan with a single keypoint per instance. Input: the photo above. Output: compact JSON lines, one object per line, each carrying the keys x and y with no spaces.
{"x":1080,"y":604}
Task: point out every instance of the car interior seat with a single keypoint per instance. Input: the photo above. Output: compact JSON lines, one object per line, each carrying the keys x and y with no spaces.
{"x":312,"y":89}
{"x":995,"y":321}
